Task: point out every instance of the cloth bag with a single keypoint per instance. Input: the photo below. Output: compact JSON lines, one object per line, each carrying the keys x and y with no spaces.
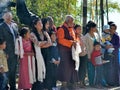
{"x":75,"y":55}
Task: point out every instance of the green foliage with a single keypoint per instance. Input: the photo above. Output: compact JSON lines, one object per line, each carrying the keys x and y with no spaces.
{"x":114,"y":6}
{"x":55,"y":8}
{"x":59,"y":8}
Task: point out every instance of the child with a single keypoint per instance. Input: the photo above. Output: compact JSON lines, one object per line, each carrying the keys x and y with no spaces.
{"x":97,"y":62}
{"x":3,"y":66}
{"x":25,"y":71}
{"x":106,"y":38}
{"x":83,"y":55}
{"x":54,"y":60}
{"x":106,"y":33}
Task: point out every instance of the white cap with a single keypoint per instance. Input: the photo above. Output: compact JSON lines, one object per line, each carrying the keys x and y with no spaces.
{"x":106,"y":27}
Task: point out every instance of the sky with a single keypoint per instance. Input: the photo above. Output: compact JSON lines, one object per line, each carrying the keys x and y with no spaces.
{"x":115,"y":17}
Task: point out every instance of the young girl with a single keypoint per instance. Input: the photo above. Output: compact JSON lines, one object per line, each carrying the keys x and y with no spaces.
{"x":83,"y":55}
{"x":25,"y":61}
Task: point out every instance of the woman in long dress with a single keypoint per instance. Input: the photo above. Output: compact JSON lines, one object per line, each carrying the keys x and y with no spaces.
{"x":38,"y":43}
{"x":112,"y":68}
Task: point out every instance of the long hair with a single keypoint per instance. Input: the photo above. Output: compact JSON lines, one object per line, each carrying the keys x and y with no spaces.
{"x":34,"y":30}
{"x":44,"y":21}
{"x":90,"y":25}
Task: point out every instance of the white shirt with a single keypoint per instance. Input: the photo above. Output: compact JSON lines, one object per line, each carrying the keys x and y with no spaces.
{"x":11,"y":30}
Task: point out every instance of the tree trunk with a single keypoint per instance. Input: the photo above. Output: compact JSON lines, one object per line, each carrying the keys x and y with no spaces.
{"x":107,"y":10}
{"x":102,"y":13}
{"x":84,"y":15}
{"x":96,"y":12}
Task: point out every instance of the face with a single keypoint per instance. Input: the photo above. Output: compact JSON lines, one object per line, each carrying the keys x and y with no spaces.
{"x":51,"y":22}
{"x":93,"y":29}
{"x":97,"y":47}
{"x":112,"y":29}
{"x":78,"y":30}
{"x":39,"y":26}
{"x":71,"y":23}
{"x":47,"y":25}
{"x":53,"y":37}
{"x":3,"y":46}
{"x":8,"y":18}
{"x":107,"y":31}
{"x":27,"y":35}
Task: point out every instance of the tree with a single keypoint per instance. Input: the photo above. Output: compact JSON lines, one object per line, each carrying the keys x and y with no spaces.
{"x":102,"y":13}
{"x":84,"y":15}
{"x":55,"y":8}
{"x":107,"y":10}
{"x":59,"y":8}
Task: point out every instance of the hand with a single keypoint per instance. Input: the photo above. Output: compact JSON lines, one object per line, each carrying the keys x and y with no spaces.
{"x":48,"y":37}
{"x":7,"y":56}
{"x":42,"y":43}
{"x":74,"y":44}
{"x":46,"y":45}
{"x":56,"y":62}
{"x":1,"y":69}
{"x":108,"y":46}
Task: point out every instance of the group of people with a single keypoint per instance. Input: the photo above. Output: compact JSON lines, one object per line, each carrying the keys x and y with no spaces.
{"x":45,"y":55}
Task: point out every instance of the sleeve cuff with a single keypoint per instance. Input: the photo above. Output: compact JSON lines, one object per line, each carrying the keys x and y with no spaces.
{"x":53,"y":60}
{"x":59,"y":59}
{"x":1,"y":65}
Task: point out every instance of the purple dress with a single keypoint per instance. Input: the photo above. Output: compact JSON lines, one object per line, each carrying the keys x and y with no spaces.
{"x":112,"y":68}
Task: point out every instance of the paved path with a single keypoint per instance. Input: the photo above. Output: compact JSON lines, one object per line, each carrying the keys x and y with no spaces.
{"x":89,"y":88}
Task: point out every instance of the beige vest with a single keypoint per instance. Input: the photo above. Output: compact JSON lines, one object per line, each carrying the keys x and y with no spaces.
{"x":3,"y":60}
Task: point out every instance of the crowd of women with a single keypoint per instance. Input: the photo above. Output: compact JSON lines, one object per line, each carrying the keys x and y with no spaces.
{"x":45,"y":55}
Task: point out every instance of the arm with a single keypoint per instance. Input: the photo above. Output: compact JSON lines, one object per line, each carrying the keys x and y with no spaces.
{"x":1,"y":63}
{"x":2,"y":66}
{"x":51,"y":54}
{"x":36,"y":42}
{"x":49,"y":43}
{"x":58,"y":53}
{"x":1,"y":32}
{"x":116,"y":42}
